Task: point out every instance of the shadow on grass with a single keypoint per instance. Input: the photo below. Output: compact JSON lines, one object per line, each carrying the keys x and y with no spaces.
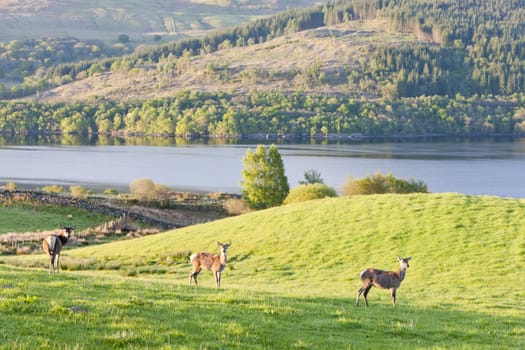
{"x":112,"y":311}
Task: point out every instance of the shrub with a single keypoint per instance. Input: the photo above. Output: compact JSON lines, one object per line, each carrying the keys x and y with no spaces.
{"x":236,"y":206}
{"x":110,"y":192}
{"x":53,"y":189}
{"x":308,"y":192}
{"x":379,"y":183}
{"x":142,"y":188}
{"x":10,"y":186}
{"x":78,"y":192}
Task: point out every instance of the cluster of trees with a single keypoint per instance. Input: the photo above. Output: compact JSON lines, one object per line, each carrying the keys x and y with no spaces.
{"x":265,"y":184}
{"x":193,"y":114}
{"x":36,"y":64}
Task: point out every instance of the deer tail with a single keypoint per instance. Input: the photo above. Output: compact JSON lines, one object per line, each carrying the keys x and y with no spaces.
{"x":192,"y":257}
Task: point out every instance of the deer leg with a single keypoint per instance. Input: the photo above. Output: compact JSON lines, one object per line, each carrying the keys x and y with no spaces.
{"x":393,"y":294}
{"x":359,"y":292}
{"x":57,"y":257}
{"x":193,"y":274}
{"x":51,"y":264}
{"x":365,"y":294}
{"x":218,"y":279}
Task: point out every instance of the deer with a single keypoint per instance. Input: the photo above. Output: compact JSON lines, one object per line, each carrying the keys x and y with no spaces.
{"x":209,"y":261}
{"x":52,"y":246}
{"x":383,"y":280}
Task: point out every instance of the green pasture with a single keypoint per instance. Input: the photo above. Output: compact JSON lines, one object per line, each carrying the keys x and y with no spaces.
{"x":34,"y":217}
{"x":291,"y":281}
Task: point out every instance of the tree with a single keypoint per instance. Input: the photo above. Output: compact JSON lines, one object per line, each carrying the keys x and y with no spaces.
{"x":264,"y":181}
{"x":123,"y":38}
{"x":312,"y":176}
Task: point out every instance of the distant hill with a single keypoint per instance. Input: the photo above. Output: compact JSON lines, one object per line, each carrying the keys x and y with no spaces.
{"x":285,"y":63}
{"x":141,"y":20}
{"x":415,"y":67}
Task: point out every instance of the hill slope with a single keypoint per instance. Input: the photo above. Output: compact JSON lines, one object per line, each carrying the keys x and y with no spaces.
{"x":292,"y":267}
{"x":283,"y":64}
{"x":471,"y":247}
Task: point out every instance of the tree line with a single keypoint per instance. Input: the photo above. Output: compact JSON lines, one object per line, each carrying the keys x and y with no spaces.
{"x":198,"y":114}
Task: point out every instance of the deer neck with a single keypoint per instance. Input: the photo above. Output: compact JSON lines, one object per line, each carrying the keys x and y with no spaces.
{"x":223,"y":258}
{"x":401,"y":273}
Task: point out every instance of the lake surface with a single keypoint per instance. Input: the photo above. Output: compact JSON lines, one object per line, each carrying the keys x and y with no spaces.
{"x":469,"y":167}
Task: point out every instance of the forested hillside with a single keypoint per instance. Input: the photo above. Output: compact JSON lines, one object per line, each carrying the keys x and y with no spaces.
{"x":385,"y":67}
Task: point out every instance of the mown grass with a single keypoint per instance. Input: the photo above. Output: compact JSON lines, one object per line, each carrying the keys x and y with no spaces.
{"x":290,"y":282}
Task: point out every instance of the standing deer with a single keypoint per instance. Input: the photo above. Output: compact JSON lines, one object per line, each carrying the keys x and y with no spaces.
{"x":52,"y":245}
{"x":209,"y":261}
{"x":383,"y":280}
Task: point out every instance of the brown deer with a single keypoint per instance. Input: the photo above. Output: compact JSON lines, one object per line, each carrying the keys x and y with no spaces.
{"x":209,"y":261}
{"x":52,"y":246}
{"x":383,"y":280}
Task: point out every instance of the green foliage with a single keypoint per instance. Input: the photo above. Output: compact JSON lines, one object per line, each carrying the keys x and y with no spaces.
{"x":264,"y":183}
{"x":379,"y":184}
{"x":123,"y":38}
{"x":312,"y":176}
{"x":53,"y":189}
{"x":110,"y":192}
{"x":306,"y":192}
{"x":220,"y":114}
{"x":79,"y":192}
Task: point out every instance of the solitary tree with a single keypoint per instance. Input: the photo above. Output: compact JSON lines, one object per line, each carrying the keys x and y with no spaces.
{"x":264,"y":182}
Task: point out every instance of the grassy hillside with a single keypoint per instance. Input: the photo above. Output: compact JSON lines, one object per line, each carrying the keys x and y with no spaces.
{"x":293,"y":267}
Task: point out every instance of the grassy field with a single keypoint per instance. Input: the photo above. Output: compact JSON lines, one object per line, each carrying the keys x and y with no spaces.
{"x":291,"y":281}
{"x":20,"y":217}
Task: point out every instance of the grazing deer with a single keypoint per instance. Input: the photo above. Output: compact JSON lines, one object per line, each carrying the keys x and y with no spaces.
{"x":383,"y":280}
{"x":209,"y":261}
{"x":52,"y":245}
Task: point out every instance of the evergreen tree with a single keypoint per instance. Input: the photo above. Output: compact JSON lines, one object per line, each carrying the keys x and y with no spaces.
{"x":264,"y":181}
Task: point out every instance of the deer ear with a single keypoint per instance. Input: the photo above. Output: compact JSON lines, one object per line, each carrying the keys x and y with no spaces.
{"x":398,"y":258}
{"x":409,"y":258}
{"x":219,"y":243}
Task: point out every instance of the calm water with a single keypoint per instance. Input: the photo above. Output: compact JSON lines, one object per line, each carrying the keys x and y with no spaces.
{"x":472,"y":167}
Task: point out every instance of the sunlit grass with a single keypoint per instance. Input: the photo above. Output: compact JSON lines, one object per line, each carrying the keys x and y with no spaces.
{"x":291,"y":281}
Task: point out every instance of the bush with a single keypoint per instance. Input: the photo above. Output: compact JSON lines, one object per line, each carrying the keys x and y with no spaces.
{"x":235,"y":206}
{"x":142,"y":188}
{"x":10,"y":186}
{"x":308,"y":192}
{"x":110,"y":192}
{"x":379,"y":183}
{"x":78,"y":192}
{"x":53,"y":189}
